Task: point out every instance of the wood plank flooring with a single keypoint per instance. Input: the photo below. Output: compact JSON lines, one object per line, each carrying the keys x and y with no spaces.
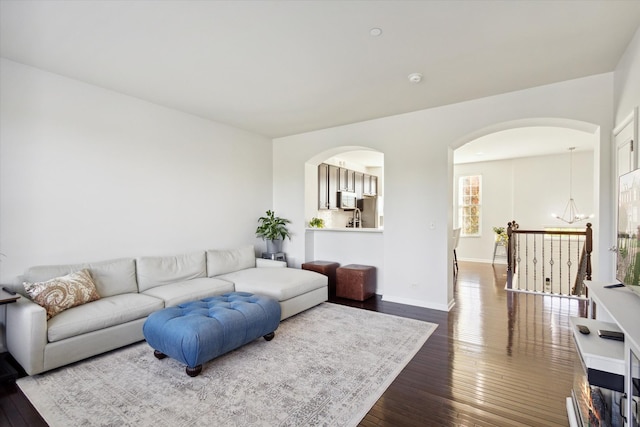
{"x":496,"y":359}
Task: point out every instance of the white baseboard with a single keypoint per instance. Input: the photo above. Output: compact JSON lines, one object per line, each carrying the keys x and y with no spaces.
{"x":571,"y":413}
{"x":418,"y":303}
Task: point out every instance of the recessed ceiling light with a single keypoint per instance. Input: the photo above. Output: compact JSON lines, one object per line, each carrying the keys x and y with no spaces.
{"x":415,"y":77}
{"x":375,"y":32}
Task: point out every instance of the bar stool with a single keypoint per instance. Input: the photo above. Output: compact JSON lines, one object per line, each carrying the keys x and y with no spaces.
{"x":496,"y":245}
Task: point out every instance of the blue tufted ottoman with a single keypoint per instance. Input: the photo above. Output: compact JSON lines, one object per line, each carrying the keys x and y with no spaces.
{"x":198,"y":331}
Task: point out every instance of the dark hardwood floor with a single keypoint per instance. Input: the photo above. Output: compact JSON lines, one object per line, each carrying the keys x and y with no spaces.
{"x":496,"y":359}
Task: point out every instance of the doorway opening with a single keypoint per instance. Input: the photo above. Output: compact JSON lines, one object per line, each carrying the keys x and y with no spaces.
{"x":525,"y":177}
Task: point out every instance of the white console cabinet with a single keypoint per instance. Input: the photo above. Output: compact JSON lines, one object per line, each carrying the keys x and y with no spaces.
{"x":612,"y":367}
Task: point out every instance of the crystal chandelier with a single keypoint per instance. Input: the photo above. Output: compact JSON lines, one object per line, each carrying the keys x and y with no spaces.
{"x":571,"y":213}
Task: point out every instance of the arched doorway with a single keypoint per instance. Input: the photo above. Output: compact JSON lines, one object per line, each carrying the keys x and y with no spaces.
{"x":526,"y":175}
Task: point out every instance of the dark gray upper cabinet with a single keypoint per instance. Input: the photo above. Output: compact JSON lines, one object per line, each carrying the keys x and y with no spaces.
{"x":323,"y":186}
{"x":328,"y":179}
{"x":370,"y":185}
{"x":358,"y":180}
{"x":332,"y":179}
{"x":346,"y":180}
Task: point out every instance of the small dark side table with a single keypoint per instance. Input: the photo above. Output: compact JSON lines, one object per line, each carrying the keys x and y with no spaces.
{"x":7,"y":372}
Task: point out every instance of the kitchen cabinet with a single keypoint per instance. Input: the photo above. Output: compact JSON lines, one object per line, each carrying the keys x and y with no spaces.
{"x":346,"y":180}
{"x":323,"y":186}
{"x":370,"y":183}
{"x":358,"y":184}
{"x":328,"y":179}
{"x":332,"y":179}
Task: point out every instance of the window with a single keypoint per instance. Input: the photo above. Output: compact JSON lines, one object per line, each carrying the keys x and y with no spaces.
{"x":470,"y":204}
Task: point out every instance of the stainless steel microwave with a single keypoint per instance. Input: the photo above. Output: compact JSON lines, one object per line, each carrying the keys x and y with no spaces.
{"x":347,"y":200}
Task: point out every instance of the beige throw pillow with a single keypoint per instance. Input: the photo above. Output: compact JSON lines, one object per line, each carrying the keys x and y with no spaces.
{"x":61,"y":293}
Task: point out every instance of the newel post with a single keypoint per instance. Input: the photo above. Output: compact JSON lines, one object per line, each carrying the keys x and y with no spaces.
{"x":511,"y":266}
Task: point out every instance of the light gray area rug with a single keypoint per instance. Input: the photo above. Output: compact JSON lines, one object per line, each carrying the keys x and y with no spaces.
{"x":325,"y":367}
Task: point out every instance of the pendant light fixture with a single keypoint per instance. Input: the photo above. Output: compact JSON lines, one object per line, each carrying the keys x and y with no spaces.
{"x":571,"y":213}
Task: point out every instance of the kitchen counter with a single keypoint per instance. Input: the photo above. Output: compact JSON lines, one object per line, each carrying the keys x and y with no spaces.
{"x":357,"y":230}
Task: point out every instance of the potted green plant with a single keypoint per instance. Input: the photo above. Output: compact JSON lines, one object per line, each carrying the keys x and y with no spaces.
{"x":316,"y":222}
{"x":501,"y":235}
{"x":273,"y":229}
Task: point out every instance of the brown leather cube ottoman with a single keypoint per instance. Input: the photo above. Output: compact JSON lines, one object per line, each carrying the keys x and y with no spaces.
{"x":327,"y":268}
{"x":355,"y":281}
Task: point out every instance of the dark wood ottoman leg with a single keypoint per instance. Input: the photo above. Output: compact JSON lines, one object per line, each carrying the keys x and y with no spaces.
{"x":269,"y":336}
{"x":159,"y":355}
{"x":194,"y":372}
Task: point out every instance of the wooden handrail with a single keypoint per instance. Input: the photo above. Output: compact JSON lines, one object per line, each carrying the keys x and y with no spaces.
{"x":559,"y":232}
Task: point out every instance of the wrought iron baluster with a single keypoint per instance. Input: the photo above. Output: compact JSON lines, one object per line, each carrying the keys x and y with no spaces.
{"x":526,"y":268}
{"x":551,"y":264}
{"x":535,"y":262}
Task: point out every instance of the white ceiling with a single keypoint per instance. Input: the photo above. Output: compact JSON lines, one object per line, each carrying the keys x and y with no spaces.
{"x":284,"y":67}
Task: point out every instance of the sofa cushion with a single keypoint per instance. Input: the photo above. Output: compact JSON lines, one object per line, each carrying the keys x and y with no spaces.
{"x":227,"y":261}
{"x":190,"y":290}
{"x":101,"y":314}
{"x":157,"y":271}
{"x":111,"y":277}
{"x":62,"y":293}
{"x":279,"y":283}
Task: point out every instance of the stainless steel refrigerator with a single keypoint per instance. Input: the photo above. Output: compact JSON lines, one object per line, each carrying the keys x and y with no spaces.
{"x":369,"y":212}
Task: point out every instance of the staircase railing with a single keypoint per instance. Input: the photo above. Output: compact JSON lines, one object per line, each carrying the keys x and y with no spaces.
{"x":552,"y":261}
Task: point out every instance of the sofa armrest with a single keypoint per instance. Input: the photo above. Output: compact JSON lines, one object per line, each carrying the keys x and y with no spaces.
{"x":269,"y":263}
{"x":26,"y":330}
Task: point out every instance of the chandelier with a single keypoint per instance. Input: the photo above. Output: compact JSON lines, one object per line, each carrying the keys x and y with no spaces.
{"x":571,"y":213}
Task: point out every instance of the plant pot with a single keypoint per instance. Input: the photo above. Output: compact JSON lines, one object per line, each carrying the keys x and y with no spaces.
{"x":274,"y":246}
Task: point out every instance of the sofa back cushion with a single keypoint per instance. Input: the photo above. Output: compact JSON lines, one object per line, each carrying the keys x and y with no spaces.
{"x":227,"y":261}
{"x":158,"y":271}
{"x":113,"y":277}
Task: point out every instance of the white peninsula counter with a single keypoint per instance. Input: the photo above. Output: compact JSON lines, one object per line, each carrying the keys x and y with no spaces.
{"x":347,"y":246}
{"x":347,"y":230}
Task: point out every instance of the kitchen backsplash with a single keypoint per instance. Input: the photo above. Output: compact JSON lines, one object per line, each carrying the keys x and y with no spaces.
{"x":335,"y":218}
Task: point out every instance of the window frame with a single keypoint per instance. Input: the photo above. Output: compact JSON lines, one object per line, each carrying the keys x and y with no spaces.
{"x":468,"y":181}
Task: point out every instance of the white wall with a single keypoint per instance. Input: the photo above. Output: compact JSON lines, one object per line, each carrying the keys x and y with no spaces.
{"x":626,"y":103}
{"x":348,"y":247}
{"x":418,"y":173}
{"x":627,"y":80}
{"x":88,"y":174}
{"x":528,"y":190}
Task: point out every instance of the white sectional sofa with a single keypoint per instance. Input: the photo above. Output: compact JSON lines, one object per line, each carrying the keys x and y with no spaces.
{"x":131,"y":289}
